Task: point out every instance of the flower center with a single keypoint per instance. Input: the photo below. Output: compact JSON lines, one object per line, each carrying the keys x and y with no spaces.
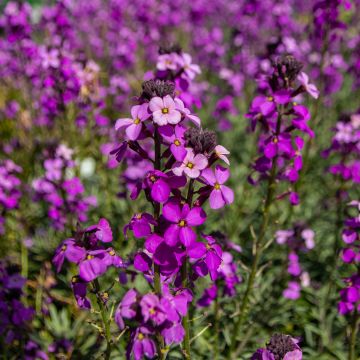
{"x":137,"y":121}
{"x":177,"y":142}
{"x":190,"y":165}
{"x":138,"y":216}
{"x":270,"y":98}
{"x":275,"y":140}
{"x":140,"y":336}
{"x":152,"y":178}
{"x":217,"y":186}
{"x":182,"y":223}
{"x":165,"y":110}
{"x":112,"y":252}
{"x":89,"y":257}
{"x":63,"y":248}
{"x":152,"y":311}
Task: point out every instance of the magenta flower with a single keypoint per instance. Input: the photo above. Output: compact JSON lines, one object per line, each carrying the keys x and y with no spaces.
{"x":292,"y":292}
{"x":164,"y":111}
{"x":182,"y":219}
{"x":311,"y":89}
{"x":94,"y":265}
{"x":133,"y":126}
{"x":175,"y":137}
{"x":278,"y":145}
{"x":152,"y":309}
{"x":69,"y":250}
{"x":140,"y":224}
{"x":191,"y":165}
{"x":220,"y":195}
{"x":141,"y":344}
{"x":79,"y":288}
{"x":126,"y":308}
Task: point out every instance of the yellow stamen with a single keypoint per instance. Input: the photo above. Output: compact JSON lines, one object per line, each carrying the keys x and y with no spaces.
{"x":140,"y":336}
{"x":177,"y":142}
{"x":152,"y":311}
{"x":137,"y":121}
{"x":190,"y":165}
{"x":270,"y":98}
{"x":89,"y":257}
{"x":165,"y":110}
{"x":182,"y":223}
{"x":138,"y":216}
{"x":275,"y":140}
{"x":217,"y":186}
{"x":152,"y":178}
{"x":63,"y":248}
{"x":112,"y":252}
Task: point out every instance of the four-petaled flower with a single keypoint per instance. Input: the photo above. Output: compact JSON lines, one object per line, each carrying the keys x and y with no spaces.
{"x":164,"y":110}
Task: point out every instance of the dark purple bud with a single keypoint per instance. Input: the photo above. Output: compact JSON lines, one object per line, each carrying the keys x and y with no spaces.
{"x":153,"y":88}
{"x":201,"y":141}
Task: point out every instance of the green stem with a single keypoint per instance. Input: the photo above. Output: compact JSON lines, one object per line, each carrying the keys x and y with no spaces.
{"x":105,"y":319}
{"x":216,"y":328}
{"x":353,"y":333}
{"x":258,"y":249}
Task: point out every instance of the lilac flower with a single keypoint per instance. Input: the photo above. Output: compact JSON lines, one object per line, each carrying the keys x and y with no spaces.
{"x":309,"y":88}
{"x":167,"y":62}
{"x":221,"y":153}
{"x":220,"y":194}
{"x":191,"y":165}
{"x":182,"y":219}
{"x":292,"y":292}
{"x":164,"y":111}
{"x":133,"y":126}
{"x":190,"y":69}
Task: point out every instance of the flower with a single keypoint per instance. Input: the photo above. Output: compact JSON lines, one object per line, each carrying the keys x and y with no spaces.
{"x":152,"y":309}
{"x":126,"y":308}
{"x":164,"y":110}
{"x":191,"y":165}
{"x":220,"y":194}
{"x":190,"y":69}
{"x":175,"y":137}
{"x":311,"y":89}
{"x":133,"y":126}
{"x":142,"y":344}
{"x":69,"y":250}
{"x":181,"y":220}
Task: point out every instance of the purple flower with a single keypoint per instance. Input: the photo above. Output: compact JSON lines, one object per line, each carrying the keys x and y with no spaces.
{"x":175,"y":137}
{"x":276,"y":145}
{"x":167,"y":62}
{"x":293,"y":291}
{"x":191,"y":165}
{"x":140,"y":225}
{"x":69,"y":250}
{"x":311,"y":89}
{"x":182,"y":219}
{"x":164,"y":111}
{"x":94,"y":265}
{"x":222,"y":153}
{"x":220,"y":195}
{"x":126,"y":308}
{"x":152,"y":309}
{"x":79,"y":288}
{"x":141,"y":344}
{"x":185,"y":112}
{"x":133,"y":126}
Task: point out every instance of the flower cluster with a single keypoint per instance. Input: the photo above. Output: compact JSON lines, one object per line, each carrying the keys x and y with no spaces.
{"x":9,"y":189}
{"x":86,"y":250}
{"x":297,"y":239}
{"x":278,"y":114}
{"x":63,"y":194}
{"x":346,"y":147}
{"x":350,"y":295}
{"x":183,"y":177}
{"x":280,"y":347}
